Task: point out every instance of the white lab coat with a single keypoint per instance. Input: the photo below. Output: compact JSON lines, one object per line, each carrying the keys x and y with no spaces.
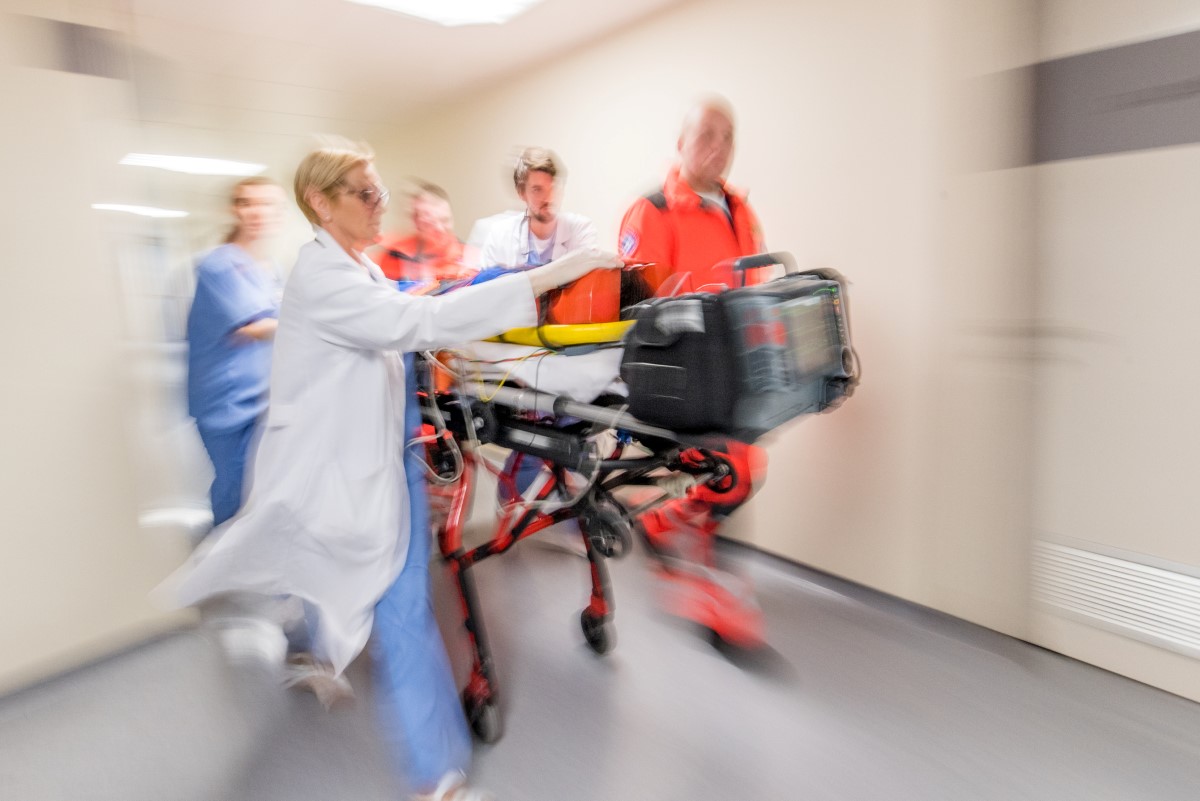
{"x":326,"y":518}
{"x":507,"y":243}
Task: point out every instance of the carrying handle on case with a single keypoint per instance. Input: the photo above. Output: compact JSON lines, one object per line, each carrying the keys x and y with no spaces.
{"x":765,"y":260}
{"x":789,"y":266}
{"x":826,"y":274}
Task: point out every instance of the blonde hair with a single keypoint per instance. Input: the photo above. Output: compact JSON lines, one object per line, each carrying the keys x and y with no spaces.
{"x":325,"y":168}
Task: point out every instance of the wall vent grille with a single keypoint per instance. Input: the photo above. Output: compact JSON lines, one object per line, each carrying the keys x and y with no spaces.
{"x":1151,"y":603}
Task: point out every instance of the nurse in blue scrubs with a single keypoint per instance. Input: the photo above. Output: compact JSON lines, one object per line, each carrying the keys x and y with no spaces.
{"x":230,"y":327}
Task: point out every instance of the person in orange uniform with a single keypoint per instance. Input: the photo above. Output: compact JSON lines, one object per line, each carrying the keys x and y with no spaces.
{"x":685,"y":234}
{"x":695,"y":221}
{"x":432,"y":253}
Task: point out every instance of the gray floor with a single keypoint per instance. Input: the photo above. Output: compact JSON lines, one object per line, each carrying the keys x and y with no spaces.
{"x":864,"y":698}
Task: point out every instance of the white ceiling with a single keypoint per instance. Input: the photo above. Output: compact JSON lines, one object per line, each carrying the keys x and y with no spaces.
{"x":330,"y":59}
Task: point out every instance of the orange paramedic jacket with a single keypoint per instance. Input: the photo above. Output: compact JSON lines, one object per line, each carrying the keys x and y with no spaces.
{"x":410,"y":258}
{"x":680,"y":232}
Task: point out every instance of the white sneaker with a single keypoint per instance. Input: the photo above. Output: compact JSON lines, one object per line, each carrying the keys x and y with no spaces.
{"x":306,"y":673}
{"x":453,"y":787}
{"x":251,"y":641}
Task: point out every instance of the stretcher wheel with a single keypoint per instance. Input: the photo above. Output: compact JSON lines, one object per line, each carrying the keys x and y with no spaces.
{"x":597,"y":632}
{"x":608,"y":531}
{"x":744,"y":652}
{"x":484,"y":716}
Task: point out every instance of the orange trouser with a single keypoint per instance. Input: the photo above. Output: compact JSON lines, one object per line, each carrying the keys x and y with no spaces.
{"x":690,"y":523}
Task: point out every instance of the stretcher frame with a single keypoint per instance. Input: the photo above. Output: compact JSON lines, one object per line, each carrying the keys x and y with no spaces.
{"x":472,"y":413}
{"x":641,"y":455}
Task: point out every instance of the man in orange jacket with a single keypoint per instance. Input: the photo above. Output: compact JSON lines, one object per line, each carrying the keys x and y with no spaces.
{"x":432,"y":253}
{"x":683,"y":232}
{"x":695,"y":220}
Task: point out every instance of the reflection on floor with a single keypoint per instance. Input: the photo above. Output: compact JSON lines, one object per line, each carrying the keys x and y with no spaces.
{"x":864,"y":697}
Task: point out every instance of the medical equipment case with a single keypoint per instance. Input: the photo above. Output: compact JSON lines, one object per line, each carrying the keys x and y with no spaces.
{"x":744,"y":361}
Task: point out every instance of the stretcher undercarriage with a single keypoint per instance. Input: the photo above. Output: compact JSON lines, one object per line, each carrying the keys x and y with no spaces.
{"x":557,"y":401}
{"x":580,"y":482}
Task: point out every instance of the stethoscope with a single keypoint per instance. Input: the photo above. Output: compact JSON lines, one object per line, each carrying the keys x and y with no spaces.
{"x":530,"y":255}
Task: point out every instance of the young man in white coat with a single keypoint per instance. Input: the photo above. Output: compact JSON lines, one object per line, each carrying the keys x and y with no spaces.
{"x":542,"y":233}
{"x":537,"y":236}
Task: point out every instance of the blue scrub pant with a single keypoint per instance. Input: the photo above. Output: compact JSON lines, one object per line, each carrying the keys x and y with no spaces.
{"x":227,"y":450}
{"x":422,"y":720}
{"x":527,"y":471}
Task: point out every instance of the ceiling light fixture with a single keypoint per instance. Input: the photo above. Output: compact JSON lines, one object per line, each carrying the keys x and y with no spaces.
{"x":194,"y":165}
{"x":144,"y":211}
{"x":452,"y":13}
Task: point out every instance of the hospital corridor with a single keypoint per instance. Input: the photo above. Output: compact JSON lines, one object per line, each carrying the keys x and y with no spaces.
{"x":551,"y":400}
{"x":862,"y":697}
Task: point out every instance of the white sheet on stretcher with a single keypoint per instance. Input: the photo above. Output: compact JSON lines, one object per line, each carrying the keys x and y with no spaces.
{"x":582,"y":377}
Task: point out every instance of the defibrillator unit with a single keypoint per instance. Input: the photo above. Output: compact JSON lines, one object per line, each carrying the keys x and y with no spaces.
{"x":744,"y":361}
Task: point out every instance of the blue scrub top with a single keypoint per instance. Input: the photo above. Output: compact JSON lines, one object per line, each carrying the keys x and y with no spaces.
{"x":228,"y":376}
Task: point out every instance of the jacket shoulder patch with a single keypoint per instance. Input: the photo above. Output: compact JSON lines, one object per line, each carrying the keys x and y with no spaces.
{"x":629,"y":242}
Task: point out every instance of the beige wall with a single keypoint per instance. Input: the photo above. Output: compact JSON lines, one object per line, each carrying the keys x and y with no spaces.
{"x":76,"y":571}
{"x":1067,"y":27}
{"x":93,"y":429}
{"x":1115,"y":462}
{"x":854,"y":124}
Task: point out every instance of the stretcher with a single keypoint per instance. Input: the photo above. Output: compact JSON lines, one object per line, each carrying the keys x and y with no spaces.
{"x":554,"y":396}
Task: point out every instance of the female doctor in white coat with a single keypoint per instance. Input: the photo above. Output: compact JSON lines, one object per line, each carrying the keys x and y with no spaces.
{"x":331,"y":516}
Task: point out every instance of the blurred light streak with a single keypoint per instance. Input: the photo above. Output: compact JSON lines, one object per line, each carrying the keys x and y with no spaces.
{"x":144,"y":211}
{"x":193,"y":165}
{"x":451,"y":13}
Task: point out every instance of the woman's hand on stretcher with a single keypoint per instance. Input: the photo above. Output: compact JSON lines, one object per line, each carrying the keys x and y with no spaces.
{"x":571,"y":267}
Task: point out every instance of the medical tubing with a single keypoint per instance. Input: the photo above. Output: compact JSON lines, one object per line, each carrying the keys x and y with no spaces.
{"x":434,"y":364}
{"x":567,"y":501}
{"x":531,"y":400}
{"x":437,"y":364}
{"x":441,"y":428}
{"x":504,"y":380}
{"x":432,"y":474}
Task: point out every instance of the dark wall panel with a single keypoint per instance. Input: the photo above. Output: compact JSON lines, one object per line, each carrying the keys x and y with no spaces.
{"x":1131,"y":97}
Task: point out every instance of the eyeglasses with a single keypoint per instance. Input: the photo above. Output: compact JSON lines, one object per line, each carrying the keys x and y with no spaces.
{"x":372,"y":196}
